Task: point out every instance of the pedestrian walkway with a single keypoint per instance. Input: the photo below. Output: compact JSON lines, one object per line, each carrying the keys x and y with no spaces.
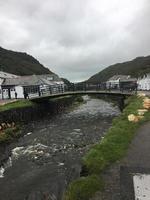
{"x":6,"y":101}
{"x":119,"y":177}
{"x":135,"y":173}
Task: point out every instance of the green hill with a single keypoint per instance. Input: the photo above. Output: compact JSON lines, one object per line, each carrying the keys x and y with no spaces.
{"x":20,"y":63}
{"x":137,"y":67}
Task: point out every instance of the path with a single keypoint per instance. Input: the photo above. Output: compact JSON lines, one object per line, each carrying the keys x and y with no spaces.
{"x":6,"y":101}
{"x":136,"y":160}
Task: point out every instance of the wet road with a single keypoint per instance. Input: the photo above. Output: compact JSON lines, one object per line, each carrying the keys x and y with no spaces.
{"x":48,"y":157}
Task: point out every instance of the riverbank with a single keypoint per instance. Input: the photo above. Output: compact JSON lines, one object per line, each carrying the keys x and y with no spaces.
{"x":26,"y":110}
{"x":15,"y":117}
{"x":51,"y":150}
{"x":110,"y":149}
{"x":14,"y":114}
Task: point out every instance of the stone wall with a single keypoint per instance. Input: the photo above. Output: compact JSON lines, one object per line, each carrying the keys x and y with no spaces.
{"x":36,"y":112}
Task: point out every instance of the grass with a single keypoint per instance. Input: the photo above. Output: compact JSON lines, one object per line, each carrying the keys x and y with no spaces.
{"x":16,"y":104}
{"x":9,"y":134}
{"x":28,"y":103}
{"x":109,"y":150}
{"x":83,"y":188}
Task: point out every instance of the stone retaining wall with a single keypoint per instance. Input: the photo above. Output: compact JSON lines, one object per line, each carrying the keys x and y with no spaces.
{"x":38,"y":111}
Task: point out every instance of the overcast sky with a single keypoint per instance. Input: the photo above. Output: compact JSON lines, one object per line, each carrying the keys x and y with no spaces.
{"x":76,"y":38}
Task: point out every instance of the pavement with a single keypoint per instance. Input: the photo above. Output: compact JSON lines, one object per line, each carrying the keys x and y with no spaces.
{"x":119,"y":177}
{"x":6,"y":101}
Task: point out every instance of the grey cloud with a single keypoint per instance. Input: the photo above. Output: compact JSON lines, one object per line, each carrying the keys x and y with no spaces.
{"x":76,"y":38}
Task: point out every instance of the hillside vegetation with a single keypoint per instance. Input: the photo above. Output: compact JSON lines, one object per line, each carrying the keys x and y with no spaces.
{"x":137,"y":67}
{"x":20,"y":63}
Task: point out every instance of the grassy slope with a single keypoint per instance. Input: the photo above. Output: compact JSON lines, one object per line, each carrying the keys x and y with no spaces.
{"x":135,"y":68}
{"x":112,"y":148}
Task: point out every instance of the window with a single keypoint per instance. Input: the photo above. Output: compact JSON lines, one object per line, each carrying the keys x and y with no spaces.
{"x":31,"y":89}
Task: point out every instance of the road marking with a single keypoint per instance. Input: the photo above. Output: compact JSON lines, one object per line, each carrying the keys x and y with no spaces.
{"x":141,"y":186}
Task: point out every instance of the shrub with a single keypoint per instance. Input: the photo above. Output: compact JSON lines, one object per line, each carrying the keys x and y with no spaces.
{"x":83,"y":188}
{"x":9,"y":131}
{"x":5,"y":138}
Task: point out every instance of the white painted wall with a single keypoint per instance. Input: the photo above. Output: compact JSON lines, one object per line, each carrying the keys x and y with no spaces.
{"x":112,"y":83}
{"x":19,"y":90}
{"x":5,"y":94}
{"x":12,"y":93}
{"x":0,"y":92}
{"x":1,"y":81}
{"x":144,"y":83}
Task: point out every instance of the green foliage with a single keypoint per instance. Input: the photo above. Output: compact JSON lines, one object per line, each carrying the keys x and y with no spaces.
{"x":16,"y":104}
{"x":8,"y":134}
{"x":135,"y":68}
{"x":84,"y":188}
{"x":20,"y":63}
{"x":9,"y":131}
{"x":4,"y":138}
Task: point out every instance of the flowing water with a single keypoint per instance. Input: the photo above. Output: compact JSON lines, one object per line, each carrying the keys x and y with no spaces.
{"x":48,"y":157}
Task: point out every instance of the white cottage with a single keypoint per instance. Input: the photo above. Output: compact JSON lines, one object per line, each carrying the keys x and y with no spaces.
{"x":144,"y":82}
{"x":3,"y":77}
{"x":34,"y":85}
{"x":114,"y":82}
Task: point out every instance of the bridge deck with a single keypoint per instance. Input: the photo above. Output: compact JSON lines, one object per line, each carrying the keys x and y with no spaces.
{"x":49,"y":96}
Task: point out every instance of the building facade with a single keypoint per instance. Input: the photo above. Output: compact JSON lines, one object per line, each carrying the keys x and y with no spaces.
{"x":31,"y":86}
{"x":114,"y":81}
{"x":144,"y":82}
{"x":3,"y":77}
{"x":122,"y":82}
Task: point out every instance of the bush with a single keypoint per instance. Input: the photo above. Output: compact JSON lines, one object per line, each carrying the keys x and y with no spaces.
{"x":5,"y":138}
{"x":9,"y":134}
{"x":83,"y":188}
{"x":9,"y":131}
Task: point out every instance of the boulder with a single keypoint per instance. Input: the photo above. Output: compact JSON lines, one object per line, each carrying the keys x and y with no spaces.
{"x":133,"y":118}
{"x":141,"y":112}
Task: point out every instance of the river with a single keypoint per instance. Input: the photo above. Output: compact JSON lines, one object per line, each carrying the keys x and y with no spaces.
{"x":48,"y":157}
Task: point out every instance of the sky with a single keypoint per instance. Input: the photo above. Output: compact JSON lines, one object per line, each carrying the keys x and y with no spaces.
{"x":76,"y":38}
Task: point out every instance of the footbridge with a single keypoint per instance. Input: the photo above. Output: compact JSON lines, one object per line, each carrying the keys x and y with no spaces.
{"x":98,"y":92}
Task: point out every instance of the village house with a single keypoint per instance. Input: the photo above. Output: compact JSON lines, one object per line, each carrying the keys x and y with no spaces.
{"x":128,"y":84}
{"x":4,"y":76}
{"x":144,"y":82}
{"x":114,"y":81}
{"x":31,"y":86}
{"x":121,"y":82}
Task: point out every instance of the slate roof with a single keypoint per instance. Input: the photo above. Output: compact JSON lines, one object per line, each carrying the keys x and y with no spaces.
{"x":116,"y":77}
{"x":7,"y":75}
{"x":32,"y":80}
{"x":50,"y":77}
{"x":129,"y":80}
